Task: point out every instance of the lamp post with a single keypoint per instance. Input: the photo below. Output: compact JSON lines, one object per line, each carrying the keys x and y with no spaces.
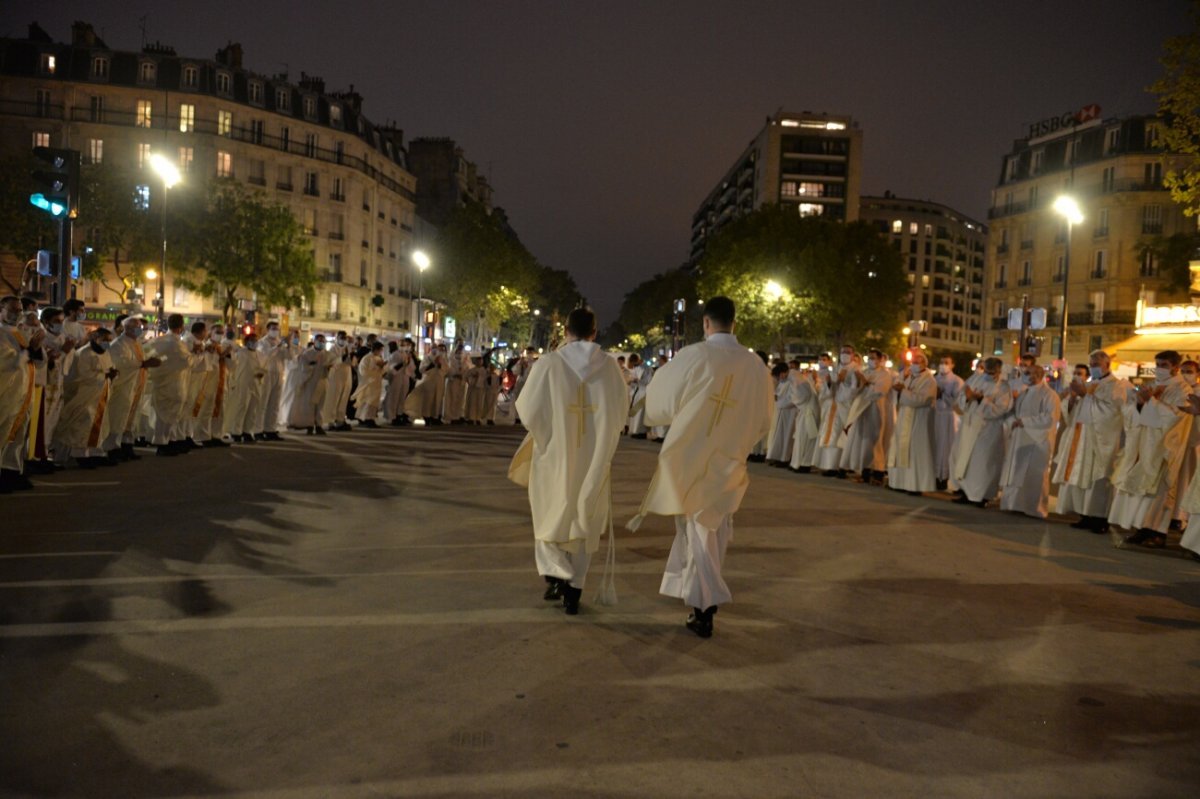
{"x":169,"y":174}
{"x":154,"y":274}
{"x":421,"y":260}
{"x":1066,"y":207}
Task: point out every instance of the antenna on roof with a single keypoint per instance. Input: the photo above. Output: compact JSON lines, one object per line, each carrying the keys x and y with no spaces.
{"x":142,"y":25}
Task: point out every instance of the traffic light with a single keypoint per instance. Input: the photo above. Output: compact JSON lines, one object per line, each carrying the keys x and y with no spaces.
{"x":250,"y":316}
{"x":58,"y":184}
{"x":1033,"y":346}
{"x":247,"y":329}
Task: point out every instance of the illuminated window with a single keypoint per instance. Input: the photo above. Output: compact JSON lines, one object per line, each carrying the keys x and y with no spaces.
{"x":811,"y":189}
{"x":95,"y":151}
{"x":143,"y":154}
{"x":141,"y":197}
{"x":788,"y":189}
{"x":335,"y":115}
{"x":333,"y":302}
{"x":187,"y":118}
{"x":49,"y":64}
{"x":913,"y":227}
{"x":897,"y":226}
{"x":925,"y":281}
{"x":224,"y":164}
{"x":186,"y":156}
{"x":41,"y":139}
{"x":811,"y":209}
{"x":929,"y":230}
{"x":144,"y":108}
{"x":224,"y":123}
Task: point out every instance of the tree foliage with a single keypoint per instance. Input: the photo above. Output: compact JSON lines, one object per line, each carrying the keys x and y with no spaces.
{"x":807,"y":278}
{"x":25,"y":229}
{"x":1172,"y":253}
{"x":642,"y":320}
{"x":120,"y":233}
{"x":1178,"y":92}
{"x":237,"y":242}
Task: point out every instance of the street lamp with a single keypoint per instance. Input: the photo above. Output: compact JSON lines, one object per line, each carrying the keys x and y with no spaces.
{"x":1066,"y":207}
{"x":773,"y":290}
{"x":169,"y":174}
{"x":421,"y":260}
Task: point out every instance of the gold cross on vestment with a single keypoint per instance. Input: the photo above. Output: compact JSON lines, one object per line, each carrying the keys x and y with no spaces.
{"x":722,"y":402}
{"x":580,"y":408}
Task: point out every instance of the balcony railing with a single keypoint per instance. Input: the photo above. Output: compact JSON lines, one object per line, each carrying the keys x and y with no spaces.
{"x":1152,"y":228}
{"x":256,"y":180}
{"x":1001,"y":249}
{"x":1027,"y":244}
{"x":333,"y":315}
{"x":332,"y":277}
{"x":1025,"y":281}
{"x":337,"y":236}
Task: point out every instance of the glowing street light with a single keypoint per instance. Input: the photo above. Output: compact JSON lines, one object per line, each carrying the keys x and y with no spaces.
{"x":168,"y":173}
{"x":773,"y":290}
{"x":422,"y":262}
{"x":1066,"y":207}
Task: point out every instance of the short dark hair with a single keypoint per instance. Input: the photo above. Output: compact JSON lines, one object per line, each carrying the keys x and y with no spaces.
{"x":175,"y":321}
{"x":992,"y":363}
{"x":198,"y":327}
{"x":49,"y":312}
{"x":766,"y":359}
{"x":874,"y":353}
{"x":1189,"y":362}
{"x":720,"y":310}
{"x":779,"y":369}
{"x":1083,"y":366}
{"x":72,"y":305}
{"x":1170,"y":356}
{"x":581,"y":322}
{"x":28,"y":302}
{"x":121,"y":317}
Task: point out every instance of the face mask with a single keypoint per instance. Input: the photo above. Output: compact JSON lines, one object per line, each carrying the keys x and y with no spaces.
{"x":340,"y":341}
{"x":81,"y":316}
{"x":251,"y":345}
{"x":133,"y":332}
{"x":943,"y":369}
{"x":1096,"y":372}
{"x":11,"y":318}
{"x":295,"y":340}
{"x":320,"y":345}
{"x":1162,"y":375}
{"x":101,"y":346}
{"x":845,"y":359}
{"x":1027,"y":380}
{"x":229,"y":334}
{"x":916,"y":368}
{"x":272,"y":334}
{"x":54,"y":329}
{"x":1189,"y":378}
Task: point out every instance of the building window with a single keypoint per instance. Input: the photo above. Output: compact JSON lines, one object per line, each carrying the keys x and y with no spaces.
{"x":285,"y":137}
{"x":256,"y":131}
{"x":913,"y":227}
{"x":41,"y":139}
{"x":310,"y":221}
{"x":339,"y":190}
{"x":255,"y":91}
{"x":788,"y":188}
{"x":811,"y":189}
{"x":143,"y":154}
{"x":1036,"y":163}
{"x":1026,"y":273}
{"x":1059,"y":262}
{"x":1112,"y":140}
{"x":258,"y":172}
{"x":310,"y":145}
{"x":191,"y":77}
{"x":335,"y":266}
{"x":1099,"y":264}
{"x":186,"y":156}
{"x":283,"y":100}
{"x":100,"y":67}
{"x":96,"y":108}
{"x":224,"y":82}
{"x":49,"y":63}
{"x":187,"y":118}
{"x":144,"y":108}
{"x":335,"y":115}
{"x":929,"y":230}
{"x":1033,"y":197}
{"x":1152,"y":219}
{"x":1001,"y":276}
{"x":333,"y":302}
{"x":180,"y":296}
{"x":224,"y":123}
{"x":95,"y":151}
{"x":1101,"y":222}
{"x":310,"y":107}
{"x":283,"y":178}
{"x":1149,"y":266}
{"x":224,"y":164}
{"x":141,"y":197}
{"x":1108,"y":178}
{"x":147,"y":72}
{"x":811,"y":209}
{"x":1153,"y":177}
{"x":897,"y":226}
{"x":42,"y":102}
{"x":310,"y":184}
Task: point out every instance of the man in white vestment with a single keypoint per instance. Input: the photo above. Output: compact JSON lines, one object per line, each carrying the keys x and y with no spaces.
{"x":476,"y":380}
{"x":426,"y":399}
{"x":308,"y":407}
{"x":949,"y":386}
{"x":169,"y":387}
{"x":1157,"y":429}
{"x":845,"y":386}
{"x":337,"y":394}
{"x":82,"y":428}
{"x":1190,"y":503}
{"x":911,"y":455}
{"x":806,"y":394}
{"x":1189,"y":371}
{"x":779,"y":442}
{"x":369,"y":394}
{"x":868,"y":420}
{"x":277,"y":354}
{"x":640,"y":375}
{"x":1025,"y":479}
{"x":1090,"y":445}
{"x":717,"y":398}
{"x":74,"y":316}
{"x":17,"y":371}
{"x":244,"y":413}
{"x":201,"y":382}
{"x":401,"y":368}
{"x":495,"y":381}
{"x":573,"y":404}
{"x":454,"y":403}
{"x":979,"y":449}
{"x":127,"y":389}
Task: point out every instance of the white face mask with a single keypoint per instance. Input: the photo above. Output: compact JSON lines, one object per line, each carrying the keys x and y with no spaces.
{"x":11,"y":317}
{"x":133,"y":332}
{"x":1162,"y":375}
{"x":944,"y":368}
{"x":1096,"y":372}
{"x":103,"y":345}
{"x":273,"y":334}
{"x":916,"y":368}
{"x":844,"y":359}
{"x":1027,"y":380}
{"x":54,"y":329}
{"x":251,"y":345}
{"x":1189,"y":378}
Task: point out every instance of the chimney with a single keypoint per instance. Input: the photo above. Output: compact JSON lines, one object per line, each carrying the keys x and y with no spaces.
{"x":82,"y":34}
{"x":312,"y":83}
{"x":230,"y":55}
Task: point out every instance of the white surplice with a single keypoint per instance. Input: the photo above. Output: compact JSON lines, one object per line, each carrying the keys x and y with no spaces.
{"x":805,"y":393}
{"x":82,"y":425}
{"x":779,"y":442}
{"x":1087,"y":455}
{"x":911,"y":455}
{"x":946,"y":421}
{"x":979,"y":448}
{"x":1025,"y":479}
{"x":125,"y":392}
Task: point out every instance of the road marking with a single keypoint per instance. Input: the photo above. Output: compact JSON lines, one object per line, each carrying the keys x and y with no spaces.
{"x":57,"y":484}
{"x":59,"y":555}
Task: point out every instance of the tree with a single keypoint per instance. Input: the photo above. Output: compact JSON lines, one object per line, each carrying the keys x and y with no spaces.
{"x":26,"y":229}
{"x":1172,"y":254}
{"x":1178,"y":93}
{"x":645,"y":310}
{"x":806,"y":277}
{"x":234,"y":242}
{"x":119,"y":230}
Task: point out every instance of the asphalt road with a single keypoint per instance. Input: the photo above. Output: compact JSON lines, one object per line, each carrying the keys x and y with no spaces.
{"x":359,"y":616}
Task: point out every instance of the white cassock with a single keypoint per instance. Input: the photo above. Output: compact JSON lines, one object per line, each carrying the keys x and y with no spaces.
{"x":337,"y":393}
{"x":369,"y":394}
{"x":910,"y":464}
{"x":277,"y":355}
{"x":292,"y":376}
{"x":201,"y":383}
{"x":979,"y":449}
{"x":81,"y":426}
{"x":476,"y":380}
{"x":717,"y":398}
{"x":1087,"y":454}
{"x":1191,"y":457}
{"x":946,"y":422}
{"x":1191,"y":506}
{"x":125,"y":392}
{"x":16,"y":394}
{"x":520,"y":371}
{"x":312,"y":381}
{"x":805,"y":393}
{"x":1025,"y":479}
{"x":861,"y":448}
{"x":169,"y":387}
{"x":425,"y":400}
{"x":642,"y":374}
{"x":1156,"y":438}
{"x":574,"y":405}
{"x":833,"y":419}
{"x":779,"y":442}
{"x":494,"y":384}
{"x":456,"y":389}
{"x":399,"y":374}
{"x":244,"y":414}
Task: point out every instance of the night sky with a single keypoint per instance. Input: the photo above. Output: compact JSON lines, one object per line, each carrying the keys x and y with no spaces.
{"x":603,"y":125}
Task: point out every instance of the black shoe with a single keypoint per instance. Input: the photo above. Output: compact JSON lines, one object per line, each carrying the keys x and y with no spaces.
{"x":369,"y":423}
{"x":40,"y":467}
{"x":1084,"y":523}
{"x":261,"y":437}
{"x":321,"y":431}
{"x":700,"y":621}
{"x":247,"y":438}
{"x":961,"y":499}
{"x":1147,"y":538}
{"x":553,"y":589}
{"x":129,"y":454}
{"x":570,"y":598}
{"x":942,"y":485}
{"x":14,"y":480}
{"x":308,"y":431}
{"x":215,"y":442}
{"x":638,"y":436}
{"x":272,"y":437}
{"x":397,"y":422}
{"x":141,"y":442}
{"x":490,"y":422}
{"x":166,"y":451}
{"x":914,"y":493}
{"x":105,"y":460}
{"x":345,"y":427}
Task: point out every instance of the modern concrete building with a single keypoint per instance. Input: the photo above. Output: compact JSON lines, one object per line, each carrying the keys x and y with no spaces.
{"x":1113,"y":169}
{"x":344,"y":177}
{"x":943,"y":254}
{"x":807,"y":160}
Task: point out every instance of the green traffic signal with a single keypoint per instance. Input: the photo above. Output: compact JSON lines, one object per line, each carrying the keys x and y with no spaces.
{"x":59,"y":185}
{"x":56,"y":209}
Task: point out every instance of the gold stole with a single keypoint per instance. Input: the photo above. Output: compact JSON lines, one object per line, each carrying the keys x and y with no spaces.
{"x":93,"y":438}
{"x":1071,"y":452}
{"x":30,"y":371}
{"x":137,"y":392}
{"x":829,"y":427}
{"x":908,"y":417}
{"x":220,"y":395}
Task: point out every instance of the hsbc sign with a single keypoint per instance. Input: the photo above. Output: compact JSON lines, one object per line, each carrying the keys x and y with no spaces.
{"x":1064,"y":121}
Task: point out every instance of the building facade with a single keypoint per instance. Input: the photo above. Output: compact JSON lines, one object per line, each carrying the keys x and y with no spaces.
{"x":1113,"y":169}
{"x":343,"y":177}
{"x":943,"y":254}
{"x":810,"y":161}
{"x":445,"y":179}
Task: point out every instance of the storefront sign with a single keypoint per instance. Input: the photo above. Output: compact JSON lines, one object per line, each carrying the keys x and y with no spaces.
{"x":1167,"y":317}
{"x":1064,"y":121}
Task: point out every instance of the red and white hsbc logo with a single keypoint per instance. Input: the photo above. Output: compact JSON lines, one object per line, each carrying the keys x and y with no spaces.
{"x":1064,"y":121}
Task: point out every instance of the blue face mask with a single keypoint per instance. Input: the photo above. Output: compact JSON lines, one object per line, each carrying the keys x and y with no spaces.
{"x":1096,"y":372}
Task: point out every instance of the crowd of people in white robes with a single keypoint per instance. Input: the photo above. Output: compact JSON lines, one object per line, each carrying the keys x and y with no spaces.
{"x":92,"y":395}
{"x":1112,"y":453}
